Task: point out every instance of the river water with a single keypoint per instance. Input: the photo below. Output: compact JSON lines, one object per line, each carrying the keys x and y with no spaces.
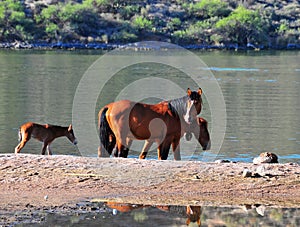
{"x":261,"y":105}
{"x":141,"y":215}
{"x":260,"y":90}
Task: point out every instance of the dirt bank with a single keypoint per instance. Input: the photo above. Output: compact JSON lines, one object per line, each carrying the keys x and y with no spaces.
{"x":48,"y":181}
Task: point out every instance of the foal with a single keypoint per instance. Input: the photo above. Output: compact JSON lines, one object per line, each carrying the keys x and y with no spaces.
{"x":44,"y":133}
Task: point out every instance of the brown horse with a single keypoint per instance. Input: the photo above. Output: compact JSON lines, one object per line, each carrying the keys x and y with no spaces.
{"x":123,"y":121}
{"x":198,"y":128}
{"x":44,"y":133}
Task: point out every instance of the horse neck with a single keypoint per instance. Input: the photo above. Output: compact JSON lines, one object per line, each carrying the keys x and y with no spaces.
{"x":178,"y":106}
{"x":59,"y":131}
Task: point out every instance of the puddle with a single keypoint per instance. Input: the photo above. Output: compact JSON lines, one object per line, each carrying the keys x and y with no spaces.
{"x":120,"y":214}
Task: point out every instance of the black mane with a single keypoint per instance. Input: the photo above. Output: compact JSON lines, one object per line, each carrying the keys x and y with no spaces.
{"x":178,"y":106}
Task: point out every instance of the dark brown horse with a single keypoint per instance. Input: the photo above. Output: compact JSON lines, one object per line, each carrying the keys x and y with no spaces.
{"x":44,"y":133}
{"x":198,"y":128}
{"x":123,"y":121}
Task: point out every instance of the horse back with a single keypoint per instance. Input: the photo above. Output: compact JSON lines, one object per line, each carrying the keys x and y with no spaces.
{"x":37,"y":131}
{"x":140,"y":120}
{"x":157,"y":120}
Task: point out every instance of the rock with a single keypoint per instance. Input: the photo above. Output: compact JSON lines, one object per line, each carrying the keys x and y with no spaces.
{"x":261,"y":210}
{"x":266,"y":157}
{"x":261,"y":171}
{"x":222,"y":161}
{"x":247,"y":173}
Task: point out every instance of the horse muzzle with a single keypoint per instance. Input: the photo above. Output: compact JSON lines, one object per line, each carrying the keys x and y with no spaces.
{"x":207,"y":146}
{"x":75,"y":142}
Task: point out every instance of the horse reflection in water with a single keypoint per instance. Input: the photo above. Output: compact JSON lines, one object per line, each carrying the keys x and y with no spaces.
{"x":198,"y":128}
{"x":123,"y":121}
{"x":191,"y":213}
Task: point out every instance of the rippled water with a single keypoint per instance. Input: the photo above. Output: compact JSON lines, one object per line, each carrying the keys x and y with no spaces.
{"x":262,"y":103}
{"x":261,"y":92}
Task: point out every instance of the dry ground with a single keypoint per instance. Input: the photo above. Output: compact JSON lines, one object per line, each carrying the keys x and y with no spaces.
{"x":43,"y":181}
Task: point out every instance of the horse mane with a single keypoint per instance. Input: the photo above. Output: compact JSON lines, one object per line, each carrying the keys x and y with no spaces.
{"x":178,"y":106}
{"x":56,"y":126}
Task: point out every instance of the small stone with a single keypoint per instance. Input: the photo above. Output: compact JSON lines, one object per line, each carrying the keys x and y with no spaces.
{"x":246,"y":173}
{"x":222,"y":161}
{"x":196,"y":177}
{"x":261,"y":171}
{"x":46,"y":197}
{"x":261,"y":210}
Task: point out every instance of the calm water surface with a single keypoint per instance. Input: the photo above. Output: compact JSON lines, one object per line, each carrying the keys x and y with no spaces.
{"x":138,"y":215}
{"x":261,"y":92}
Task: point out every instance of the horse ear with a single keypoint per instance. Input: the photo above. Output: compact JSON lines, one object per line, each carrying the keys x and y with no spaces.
{"x":70,"y":127}
{"x":189,"y":91}
{"x":200,"y":91}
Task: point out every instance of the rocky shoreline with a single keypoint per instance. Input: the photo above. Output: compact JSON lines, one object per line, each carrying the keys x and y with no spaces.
{"x":103,"y":46}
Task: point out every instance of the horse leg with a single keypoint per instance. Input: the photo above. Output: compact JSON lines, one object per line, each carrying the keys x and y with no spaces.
{"x":145,"y":149}
{"x":128,"y":142}
{"x":121,"y":150}
{"x":49,"y":149}
{"x":163,"y":150}
{"x":176,"y":149}
{"x":20,"y":146}
{"x":24,"y":138}
{"x":44,"y":148}
{"x":124,"y":152}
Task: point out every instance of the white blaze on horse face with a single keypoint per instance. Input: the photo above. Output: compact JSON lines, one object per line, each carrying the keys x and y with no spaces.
{"x":187,"y":117}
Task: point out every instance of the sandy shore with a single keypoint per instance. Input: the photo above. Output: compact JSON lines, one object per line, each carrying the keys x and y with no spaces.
{"x":40,"y":181}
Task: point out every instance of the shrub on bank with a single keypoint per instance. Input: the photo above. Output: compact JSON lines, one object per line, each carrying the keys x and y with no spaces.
{"x":205,"y":22}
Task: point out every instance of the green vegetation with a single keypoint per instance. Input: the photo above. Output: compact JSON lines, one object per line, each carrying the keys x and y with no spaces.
{"x":243,"y":26}
{"x":13,"y":22}
{"x":208,"y":8}
{"x":205,"y":22}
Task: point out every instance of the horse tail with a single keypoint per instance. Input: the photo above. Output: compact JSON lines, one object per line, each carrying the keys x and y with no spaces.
{"x":107,"y":137}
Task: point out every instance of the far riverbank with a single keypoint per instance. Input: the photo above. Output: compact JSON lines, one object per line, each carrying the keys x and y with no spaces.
{"x":103,"y":46}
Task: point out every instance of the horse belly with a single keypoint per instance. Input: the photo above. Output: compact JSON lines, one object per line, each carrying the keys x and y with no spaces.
{"x":156,"y":130}
{"x":39,"y":133}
